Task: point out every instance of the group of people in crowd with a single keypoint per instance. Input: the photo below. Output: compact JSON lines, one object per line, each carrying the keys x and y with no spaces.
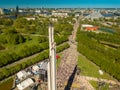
{"x":66,"y":67}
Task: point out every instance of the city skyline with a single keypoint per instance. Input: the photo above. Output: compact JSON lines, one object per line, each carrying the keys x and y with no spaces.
{"x":61,"y":4}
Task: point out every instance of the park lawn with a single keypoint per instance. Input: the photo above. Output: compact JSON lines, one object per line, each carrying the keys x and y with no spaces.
{"x":7,"y":85}
{"x":95,"y":84}
{"x":88,"y":68}
{"x":12,"y":48}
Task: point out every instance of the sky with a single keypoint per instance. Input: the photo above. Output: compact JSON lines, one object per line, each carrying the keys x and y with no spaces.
{"x":60,"y":3}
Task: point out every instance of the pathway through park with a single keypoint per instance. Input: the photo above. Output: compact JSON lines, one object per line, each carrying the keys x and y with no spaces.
{"x":67,"y":78}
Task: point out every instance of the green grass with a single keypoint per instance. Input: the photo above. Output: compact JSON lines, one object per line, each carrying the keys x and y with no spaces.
{"x":7,"y":85}
{"x":90,"y":69}
{"x":10,"y":47}
{"x":97,"y":87}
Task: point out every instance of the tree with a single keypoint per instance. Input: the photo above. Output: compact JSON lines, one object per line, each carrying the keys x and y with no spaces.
{"x":12,"y":37}
{"x":20,"y":23}
{"x":8,"y":22}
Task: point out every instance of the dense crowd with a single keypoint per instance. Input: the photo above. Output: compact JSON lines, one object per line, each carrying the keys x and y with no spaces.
{"x":67,"y":67}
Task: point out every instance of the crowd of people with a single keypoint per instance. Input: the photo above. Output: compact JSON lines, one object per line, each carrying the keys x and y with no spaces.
{"x":68,"y":64}
{"x":66,"y":67}
{"x":68,"y":61}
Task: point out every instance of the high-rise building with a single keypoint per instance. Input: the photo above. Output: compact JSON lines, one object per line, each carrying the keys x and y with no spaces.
{"x":17,"y":11}
{"x":1,"y":11}
{"x":4,"y":11}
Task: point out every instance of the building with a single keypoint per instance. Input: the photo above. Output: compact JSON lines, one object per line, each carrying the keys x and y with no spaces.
{"x":21,"y":75}
{"x":35,"y":68}
{"x":77,"y":14}
{"x":37,"y":11}
{"x":1,"y":11}
{"x":91,"y":28}
{"x":31,"y":76}
{"x":4,"y":11}
{"x":54,"y":19}
{"x":30,"y":18}
{"x":60,"y":14}
{"x":87,"y":27}
{"x":25,"y":84}
{"x":21,"y":10}
{"x":94,"y":15}
{"x":83,"y":26}
{"x":17,"y":9}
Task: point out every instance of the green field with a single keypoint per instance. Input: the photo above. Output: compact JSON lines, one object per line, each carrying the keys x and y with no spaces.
{"x":90,"y":69}
{"x":7,"y":85}
{"x":99,"y":87}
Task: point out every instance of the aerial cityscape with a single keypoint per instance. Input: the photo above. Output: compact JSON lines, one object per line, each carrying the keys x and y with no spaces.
{"x":59,"y":45}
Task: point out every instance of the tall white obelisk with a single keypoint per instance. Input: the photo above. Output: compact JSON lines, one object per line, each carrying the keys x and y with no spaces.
{"x":52,"y":61}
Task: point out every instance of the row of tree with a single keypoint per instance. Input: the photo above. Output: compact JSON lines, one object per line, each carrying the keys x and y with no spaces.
{"x":8,"y":57}
{"x":63,"y":28}
{"x":6,"y":72}
{"x":11,"y":36}
{"x":112,"y":38}
{"x":39,"y":25}
{"x":6,"y":22}
{"x":24,"y":51}
{"x":108,"y":59}
{"x":61,"y":39}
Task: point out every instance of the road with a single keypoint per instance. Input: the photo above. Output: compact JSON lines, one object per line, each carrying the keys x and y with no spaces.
{"x":66,"y":73}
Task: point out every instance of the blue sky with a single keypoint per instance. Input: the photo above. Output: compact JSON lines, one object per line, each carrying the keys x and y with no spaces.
{"x":61,"y":3}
